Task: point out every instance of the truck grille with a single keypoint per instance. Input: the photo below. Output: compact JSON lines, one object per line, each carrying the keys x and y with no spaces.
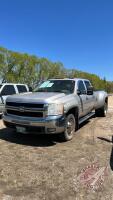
{"x":26,"y":105}
{"x":25,"y":114}
{"x":25,"y":109}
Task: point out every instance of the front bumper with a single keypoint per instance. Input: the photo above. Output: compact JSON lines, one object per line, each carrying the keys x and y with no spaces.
{"x":48,"y":125}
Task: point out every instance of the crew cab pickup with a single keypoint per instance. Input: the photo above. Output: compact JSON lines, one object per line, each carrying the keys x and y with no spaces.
{"x":56,"y":106}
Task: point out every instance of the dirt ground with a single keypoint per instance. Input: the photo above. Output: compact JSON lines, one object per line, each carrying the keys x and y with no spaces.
{"x":42,"y":168}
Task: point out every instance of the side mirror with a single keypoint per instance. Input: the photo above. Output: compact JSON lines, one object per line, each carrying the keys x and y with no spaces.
{"x":90,"y":90}
{"x":81,"y":92}
{"x":30,"y":89}
{"x":78,"y":92}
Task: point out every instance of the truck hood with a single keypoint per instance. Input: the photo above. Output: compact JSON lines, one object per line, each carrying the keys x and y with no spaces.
{"x":41,"y":97}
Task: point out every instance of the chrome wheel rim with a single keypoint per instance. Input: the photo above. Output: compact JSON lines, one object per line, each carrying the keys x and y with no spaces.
{"x":70,"y":126}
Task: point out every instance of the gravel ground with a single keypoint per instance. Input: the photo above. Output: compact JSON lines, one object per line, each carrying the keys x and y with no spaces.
{"x":41,"y":167}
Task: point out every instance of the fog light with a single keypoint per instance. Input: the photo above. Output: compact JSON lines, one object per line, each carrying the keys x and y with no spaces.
{"x":50,"y":130}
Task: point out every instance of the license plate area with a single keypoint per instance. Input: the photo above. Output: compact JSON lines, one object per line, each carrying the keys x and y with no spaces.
{"x":20,"y":129}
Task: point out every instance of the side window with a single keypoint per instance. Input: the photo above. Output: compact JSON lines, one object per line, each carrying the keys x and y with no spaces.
{"x":21,"y":88}
{"x":81,"y":87}
{"x":8,"y":90}
{"x":87,"y":83}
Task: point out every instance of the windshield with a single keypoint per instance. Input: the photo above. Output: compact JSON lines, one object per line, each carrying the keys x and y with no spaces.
{"x":64,"y":86}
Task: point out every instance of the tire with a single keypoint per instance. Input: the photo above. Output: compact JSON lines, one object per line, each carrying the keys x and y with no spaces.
{"x":70,"y":125}
{"x":102,"y":112}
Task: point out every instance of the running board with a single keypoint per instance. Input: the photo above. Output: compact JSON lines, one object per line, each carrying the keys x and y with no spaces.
{"x":81,"y":120}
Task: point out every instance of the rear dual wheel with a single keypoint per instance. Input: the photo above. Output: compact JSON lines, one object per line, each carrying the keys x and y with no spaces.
{"x":102,"y":112}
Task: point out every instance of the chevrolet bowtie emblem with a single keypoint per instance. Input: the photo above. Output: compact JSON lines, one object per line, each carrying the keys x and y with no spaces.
{"x":21,"y":109}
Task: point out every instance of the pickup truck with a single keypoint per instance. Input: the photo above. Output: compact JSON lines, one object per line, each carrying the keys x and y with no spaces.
{"x":7,"y":89}
{"x":55,"y":106}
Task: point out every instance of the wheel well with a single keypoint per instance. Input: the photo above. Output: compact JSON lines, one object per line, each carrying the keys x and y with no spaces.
{"x":75,"y":112}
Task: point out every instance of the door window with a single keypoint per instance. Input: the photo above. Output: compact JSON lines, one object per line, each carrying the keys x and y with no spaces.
{"x":87,"y":83}
{"x":8,"y":90}
{"x":21,"y":88}
{"x":81,"y":87}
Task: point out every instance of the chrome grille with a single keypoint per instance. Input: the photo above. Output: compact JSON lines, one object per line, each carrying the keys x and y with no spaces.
{"x":26,"y":105}
{"x":26,"y":109}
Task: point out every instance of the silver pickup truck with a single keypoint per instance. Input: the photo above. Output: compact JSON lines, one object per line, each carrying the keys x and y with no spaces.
{"x":56,"y":106}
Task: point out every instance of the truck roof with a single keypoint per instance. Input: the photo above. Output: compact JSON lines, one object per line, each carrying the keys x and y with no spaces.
{"x":12,"y":84}
{"x":73,"y":79}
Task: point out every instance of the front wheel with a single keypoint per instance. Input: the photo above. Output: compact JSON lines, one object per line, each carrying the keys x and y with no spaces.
{"x":70,"y":125}
{"x":102,"y":112}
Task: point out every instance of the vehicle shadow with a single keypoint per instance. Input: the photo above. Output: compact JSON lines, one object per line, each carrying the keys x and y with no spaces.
{"x":104,"y":139}
{"x":32,"y":139}
{"x":84,"y":123}
{"x":111,"y":155}
{"x":27,"y":139}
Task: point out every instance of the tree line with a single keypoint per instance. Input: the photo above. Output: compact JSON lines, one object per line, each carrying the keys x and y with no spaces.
{"x":24,"y":68}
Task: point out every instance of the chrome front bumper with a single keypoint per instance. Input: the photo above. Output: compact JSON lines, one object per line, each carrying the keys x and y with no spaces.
{"x":51,"y":124}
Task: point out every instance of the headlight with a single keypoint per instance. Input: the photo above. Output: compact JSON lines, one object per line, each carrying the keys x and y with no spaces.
{"x":55,"y":109}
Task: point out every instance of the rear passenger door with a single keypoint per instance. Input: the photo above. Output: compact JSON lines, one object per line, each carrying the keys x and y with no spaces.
{"x":7,"y":90}
{"x":83,"y":98}
{"x":21,"y":88}
{"x":90,"y":98}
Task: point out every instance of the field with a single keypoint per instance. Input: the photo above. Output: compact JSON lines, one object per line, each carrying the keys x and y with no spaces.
{"x":36,"y":167}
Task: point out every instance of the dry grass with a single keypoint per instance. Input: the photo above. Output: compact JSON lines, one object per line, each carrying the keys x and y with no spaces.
{"x":40,"y":167}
